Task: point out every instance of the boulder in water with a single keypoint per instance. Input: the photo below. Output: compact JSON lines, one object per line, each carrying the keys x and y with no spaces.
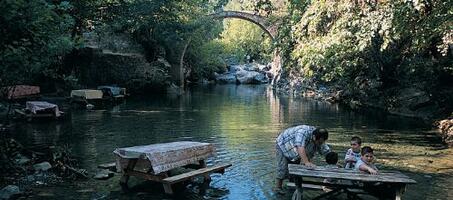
{"x":103,"y":174}
{"x":226,"y":78}
{"x":9,"y":192}
{"x":44,"y":166}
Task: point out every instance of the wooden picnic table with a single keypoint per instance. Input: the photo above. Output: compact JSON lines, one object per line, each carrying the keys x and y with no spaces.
{"x":153,"y":162}
{"x":392,"y":183}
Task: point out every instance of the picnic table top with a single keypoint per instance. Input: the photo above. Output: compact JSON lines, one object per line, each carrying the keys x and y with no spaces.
{"x":166,"y":156}
{"x":348,"y":174}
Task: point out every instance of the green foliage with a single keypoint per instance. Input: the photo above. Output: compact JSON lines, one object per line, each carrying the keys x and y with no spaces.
{"x":36,"y":35}
{"x":391,"y":43}
{"x":426,"y":29}
{"x":208,"y":58}
{"x":34,"y":39}
{"x":242,"y":38}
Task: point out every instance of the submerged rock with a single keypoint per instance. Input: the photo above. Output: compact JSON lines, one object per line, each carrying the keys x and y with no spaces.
{"x":21,"y":160}
{"x":44,"y":166}
{"x":246,"y":77}
{"x":9,"y":192}
{"x":109,"y":166}
{"x":103,"y":174}
{"x":226,"y":78}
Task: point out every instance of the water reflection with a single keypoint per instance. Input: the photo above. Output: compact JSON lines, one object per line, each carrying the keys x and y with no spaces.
{"x":242,"y":122}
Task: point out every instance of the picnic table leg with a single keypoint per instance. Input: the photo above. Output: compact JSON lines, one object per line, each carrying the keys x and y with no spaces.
{"x":125,"y":178}
{"x":207,"y":178}
{"x":167,"y":186}
{"x":329,"y":194}
{"x":399,"y":191}
{"x":297,"y":195}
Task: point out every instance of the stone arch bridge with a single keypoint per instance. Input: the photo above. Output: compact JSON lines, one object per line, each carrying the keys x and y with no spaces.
{"x":270,"y":28}
{"x":264,"y":23}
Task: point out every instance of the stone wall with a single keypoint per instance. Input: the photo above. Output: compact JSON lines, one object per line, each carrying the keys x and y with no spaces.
{"x":130,"y":70}
{"x":115,"y":59}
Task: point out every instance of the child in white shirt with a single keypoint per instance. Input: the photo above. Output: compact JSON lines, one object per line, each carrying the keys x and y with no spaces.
{"x":353,"y":154}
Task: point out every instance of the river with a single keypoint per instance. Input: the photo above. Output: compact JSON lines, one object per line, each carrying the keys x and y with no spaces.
{"x":242,"y":122}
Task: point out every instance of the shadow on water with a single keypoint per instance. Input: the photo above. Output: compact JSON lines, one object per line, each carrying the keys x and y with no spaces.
{"x":242,"y":122}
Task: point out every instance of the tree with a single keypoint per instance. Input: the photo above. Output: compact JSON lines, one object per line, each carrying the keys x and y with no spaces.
{"x":34,"y":39}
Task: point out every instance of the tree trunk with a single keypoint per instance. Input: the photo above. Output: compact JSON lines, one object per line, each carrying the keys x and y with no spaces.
{"x":181,"y":65}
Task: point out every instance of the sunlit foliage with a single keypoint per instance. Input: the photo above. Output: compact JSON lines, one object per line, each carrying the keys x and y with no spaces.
{"x":243,"y":39}
{"x":382,"y":43}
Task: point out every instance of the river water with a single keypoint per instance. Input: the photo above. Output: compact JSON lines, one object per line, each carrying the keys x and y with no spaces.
{"x":242,"y":122}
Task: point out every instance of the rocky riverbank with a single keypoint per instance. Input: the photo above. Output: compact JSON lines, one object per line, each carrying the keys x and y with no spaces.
{"x":249,"y":73}
{"x":23,"y":169}
{"x":409,"y":101}
{"x":446,"y":131}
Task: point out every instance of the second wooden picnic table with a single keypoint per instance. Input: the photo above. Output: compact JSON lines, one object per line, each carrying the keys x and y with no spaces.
{"x":389,"y":183}
{"x":153,"y":162}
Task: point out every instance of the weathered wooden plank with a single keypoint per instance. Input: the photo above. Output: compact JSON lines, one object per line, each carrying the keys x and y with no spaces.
{"x":198,"y":172}
{"x":320,"y":183}
{"x":347,"y":175}
{"x":39,"y":115}
{"x":359,"y":176}
{"x":308,"y":186}
{"x":348,"y":171}
{"x":142,"y":165}
{"x":351,"y":171}
{"x":151,"y":177}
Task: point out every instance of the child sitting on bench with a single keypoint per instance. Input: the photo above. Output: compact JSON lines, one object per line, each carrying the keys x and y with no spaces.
{"x":332,"y":160}
{"x":365,"y":163}
{"x":332,"y":163}
{"x":353,"y":154}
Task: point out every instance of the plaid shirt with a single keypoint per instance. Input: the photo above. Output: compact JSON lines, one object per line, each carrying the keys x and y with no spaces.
{"x":300,"y":136}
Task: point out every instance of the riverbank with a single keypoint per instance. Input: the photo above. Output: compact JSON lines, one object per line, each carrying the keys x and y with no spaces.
{"x":408,"y":102}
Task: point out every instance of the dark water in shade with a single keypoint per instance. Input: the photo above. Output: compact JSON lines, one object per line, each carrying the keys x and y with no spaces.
{"x":242,"y":122}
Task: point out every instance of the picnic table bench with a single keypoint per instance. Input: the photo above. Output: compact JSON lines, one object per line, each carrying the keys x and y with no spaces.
{"x":392,"y":183}
{"x":153,"y":162}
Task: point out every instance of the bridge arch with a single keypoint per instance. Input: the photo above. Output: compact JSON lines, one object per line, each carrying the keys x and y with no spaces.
{"x":261,"y":21}
{"x":264,"y":23}
{"x":269,"y":27}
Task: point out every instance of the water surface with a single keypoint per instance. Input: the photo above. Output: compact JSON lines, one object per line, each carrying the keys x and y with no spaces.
{"x":242,"y":122}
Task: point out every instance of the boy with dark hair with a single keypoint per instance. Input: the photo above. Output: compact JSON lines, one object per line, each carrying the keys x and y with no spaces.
{"x":353,"y":154}
{"x":332,"y":158}
{"x":332,"y":161}
{"x":365,"y":163}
